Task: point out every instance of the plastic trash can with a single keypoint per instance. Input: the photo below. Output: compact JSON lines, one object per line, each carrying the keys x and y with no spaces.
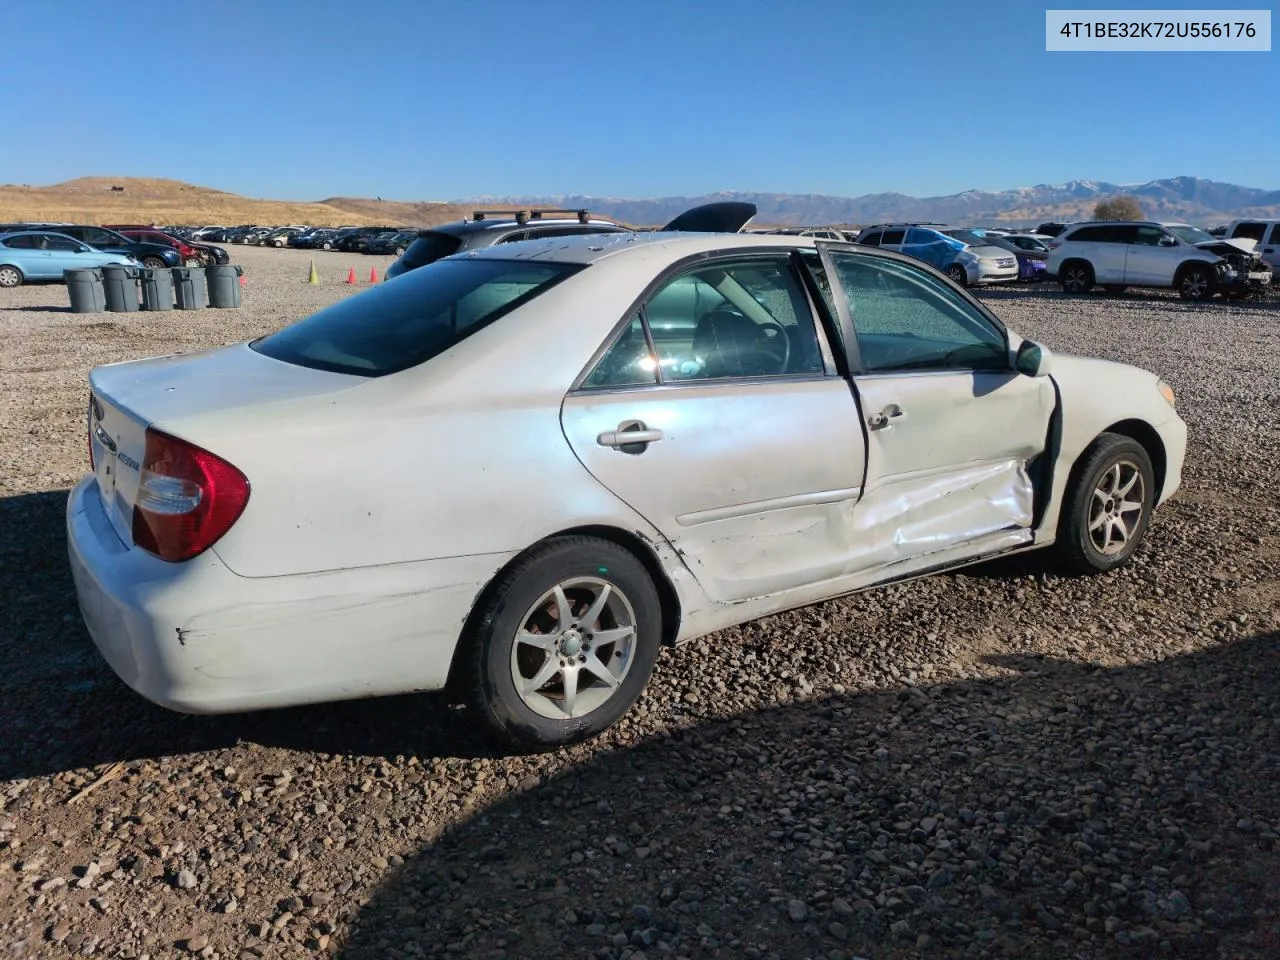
{"x":157,"y":289}
{"x":121,"y":287}
{"x":189,"y":288}
{"x":86,"y":290}
{"x":224,"y":285}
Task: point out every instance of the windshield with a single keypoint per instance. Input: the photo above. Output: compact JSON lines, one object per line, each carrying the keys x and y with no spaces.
{"x":1192,"y":235}
{"x":429,"y":247}
{"x":400,"y":325}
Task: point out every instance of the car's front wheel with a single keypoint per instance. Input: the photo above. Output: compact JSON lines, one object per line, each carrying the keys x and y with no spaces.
{"x":958,"y":274}
{"x":10,"y":276}
{"x":1197,"y":283}
{"x":1108,"y":506}
{"x":564,"y":643}
{"x":154,"y":263}
{"x":1077,"y":277}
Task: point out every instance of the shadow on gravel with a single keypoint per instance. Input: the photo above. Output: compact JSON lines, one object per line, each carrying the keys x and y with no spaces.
{"x":41,"y":309}
{"x":62,"y":708}
{"x":1051,"y":812}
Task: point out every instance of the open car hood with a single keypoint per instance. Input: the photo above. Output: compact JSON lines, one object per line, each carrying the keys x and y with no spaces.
{"x":723,"y":216}
{"x":1243,"y":244}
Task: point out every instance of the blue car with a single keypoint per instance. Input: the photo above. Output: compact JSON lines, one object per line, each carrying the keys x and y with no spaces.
{"x":43,"y":255}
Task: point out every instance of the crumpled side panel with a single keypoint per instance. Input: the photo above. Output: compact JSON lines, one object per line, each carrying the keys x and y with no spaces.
{"x":912,"y":519}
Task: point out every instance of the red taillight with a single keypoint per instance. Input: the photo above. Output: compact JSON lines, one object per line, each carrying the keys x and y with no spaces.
{"x":187,"y":498}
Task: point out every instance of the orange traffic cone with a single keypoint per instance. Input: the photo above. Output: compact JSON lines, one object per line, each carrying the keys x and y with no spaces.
{"x":373,"y":274}
{"x":351,"y":275}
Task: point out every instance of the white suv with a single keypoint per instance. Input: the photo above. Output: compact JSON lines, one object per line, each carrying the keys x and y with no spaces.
{"x":1265,"y":232}
{"x":1117,"y":254}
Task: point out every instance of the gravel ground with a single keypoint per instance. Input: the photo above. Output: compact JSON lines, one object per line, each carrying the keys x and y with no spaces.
{"x":998,"y":762}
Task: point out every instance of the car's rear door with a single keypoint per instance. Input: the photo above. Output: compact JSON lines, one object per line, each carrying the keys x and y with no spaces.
{"x":34,"y":259}
{"x":718,"y":414}
{"x":952,"y":428}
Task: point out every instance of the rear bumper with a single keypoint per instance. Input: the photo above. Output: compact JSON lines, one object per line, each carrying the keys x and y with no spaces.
{"x":196,"y":638}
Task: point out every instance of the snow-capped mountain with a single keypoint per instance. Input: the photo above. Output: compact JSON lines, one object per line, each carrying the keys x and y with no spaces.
{"x":1187,"y":198}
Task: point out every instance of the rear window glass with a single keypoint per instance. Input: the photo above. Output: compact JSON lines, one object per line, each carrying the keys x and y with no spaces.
{"x":400,"y":325}
{"x":428,"y":248}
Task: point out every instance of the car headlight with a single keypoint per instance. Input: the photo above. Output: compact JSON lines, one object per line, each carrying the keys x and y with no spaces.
{"x":1166,"y":391}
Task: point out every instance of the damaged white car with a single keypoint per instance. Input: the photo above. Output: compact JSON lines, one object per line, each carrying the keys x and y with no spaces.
{"x":517,"y":472}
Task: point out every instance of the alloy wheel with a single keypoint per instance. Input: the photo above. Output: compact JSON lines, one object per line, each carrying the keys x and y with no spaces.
{"x":1115,"y":510}
{"x":574,"y":648}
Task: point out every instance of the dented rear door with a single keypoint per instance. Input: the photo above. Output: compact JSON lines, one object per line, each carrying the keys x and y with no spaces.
{"x":951,"y":428}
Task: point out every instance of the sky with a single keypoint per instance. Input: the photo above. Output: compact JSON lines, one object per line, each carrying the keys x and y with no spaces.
{"x":430,"y":100}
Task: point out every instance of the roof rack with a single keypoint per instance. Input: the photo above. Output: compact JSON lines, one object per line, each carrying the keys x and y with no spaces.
{"x":524,"y":216}
{"x":913,"y":223}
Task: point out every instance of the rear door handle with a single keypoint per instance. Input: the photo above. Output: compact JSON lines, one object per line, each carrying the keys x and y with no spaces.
{"x":630,"y":433}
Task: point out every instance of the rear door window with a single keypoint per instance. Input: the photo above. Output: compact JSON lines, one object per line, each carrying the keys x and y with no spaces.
{"x":399,"y":325}
{"x":1250,"y":230}
{"x":892,"y":237}
{"x":1275,"y":234}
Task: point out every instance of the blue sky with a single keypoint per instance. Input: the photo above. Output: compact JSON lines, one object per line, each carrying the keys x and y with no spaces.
{"x":421,"y":99}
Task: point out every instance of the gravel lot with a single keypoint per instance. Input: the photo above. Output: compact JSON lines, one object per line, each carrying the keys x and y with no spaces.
{"x":998,"y":762}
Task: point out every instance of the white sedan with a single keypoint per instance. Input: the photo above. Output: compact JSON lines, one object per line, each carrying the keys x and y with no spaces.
{"x":517,"y":472}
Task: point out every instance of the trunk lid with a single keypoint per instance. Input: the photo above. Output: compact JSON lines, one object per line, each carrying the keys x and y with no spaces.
{"x":127,"y":398}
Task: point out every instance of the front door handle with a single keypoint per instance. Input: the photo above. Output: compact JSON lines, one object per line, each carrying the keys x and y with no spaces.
{"x":632,"y":436}
{"x":887,"y":417}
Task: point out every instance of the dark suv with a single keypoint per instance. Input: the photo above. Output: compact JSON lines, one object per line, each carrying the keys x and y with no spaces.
{"x":489,"y":227}
{"x":154,"y":255}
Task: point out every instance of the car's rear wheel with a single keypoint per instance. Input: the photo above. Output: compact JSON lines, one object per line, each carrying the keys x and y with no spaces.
{"x":326,"y":245}
{"x":1197,"y":283}
{"x":399,"y":251}
{"x":1077,"y":277}
{"x":1109,"y":502}
{"x":10,"y":276}
{"x":564,"y":643}
{"x":153,"y":263}
{"x":193,"y":262}
{"x":958,"y":274}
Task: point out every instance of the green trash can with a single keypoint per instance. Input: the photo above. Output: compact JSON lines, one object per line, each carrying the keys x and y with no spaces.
{"x":86,"y":290}
{"x":189,"y":288}
{"x":157,"y":289}
{"x":224,"y":285}
{"x":120,"y":284}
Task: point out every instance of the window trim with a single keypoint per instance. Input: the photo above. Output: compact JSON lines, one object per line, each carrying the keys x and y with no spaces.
{"x":673,"y":272}
{"x":856,"y":366}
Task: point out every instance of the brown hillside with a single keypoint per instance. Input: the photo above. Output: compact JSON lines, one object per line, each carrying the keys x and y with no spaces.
{"x":148,"y":200}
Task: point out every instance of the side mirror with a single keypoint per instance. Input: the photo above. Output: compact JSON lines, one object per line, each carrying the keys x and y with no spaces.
{"x":1033,"y":359}
{"x":1168,"y":241}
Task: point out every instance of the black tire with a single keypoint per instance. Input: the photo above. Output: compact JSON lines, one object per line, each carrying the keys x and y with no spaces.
{"x":1076,"y":276}
{"x":154,"y":263}
{"x":10,"y":277}
{"x":1077,"y":550}
{"x":399,"y":251}
{"x":959,"y":274}
{"x":326,"y":245}
{"x":489,"y":670}
{"x":1197,"y":283}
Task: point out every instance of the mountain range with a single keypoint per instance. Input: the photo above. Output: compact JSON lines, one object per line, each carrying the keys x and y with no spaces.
{"x":1200,"y":201}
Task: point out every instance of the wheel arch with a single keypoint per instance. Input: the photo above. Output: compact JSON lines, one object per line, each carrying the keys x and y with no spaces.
{"x":1148,"y":438}
{"x":1186,"y":265}
{"x":13,"y":266}
{"x":634,"y":543}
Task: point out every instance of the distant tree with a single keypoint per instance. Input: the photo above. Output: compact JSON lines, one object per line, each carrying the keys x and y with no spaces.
{"x":1118,"y":208}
